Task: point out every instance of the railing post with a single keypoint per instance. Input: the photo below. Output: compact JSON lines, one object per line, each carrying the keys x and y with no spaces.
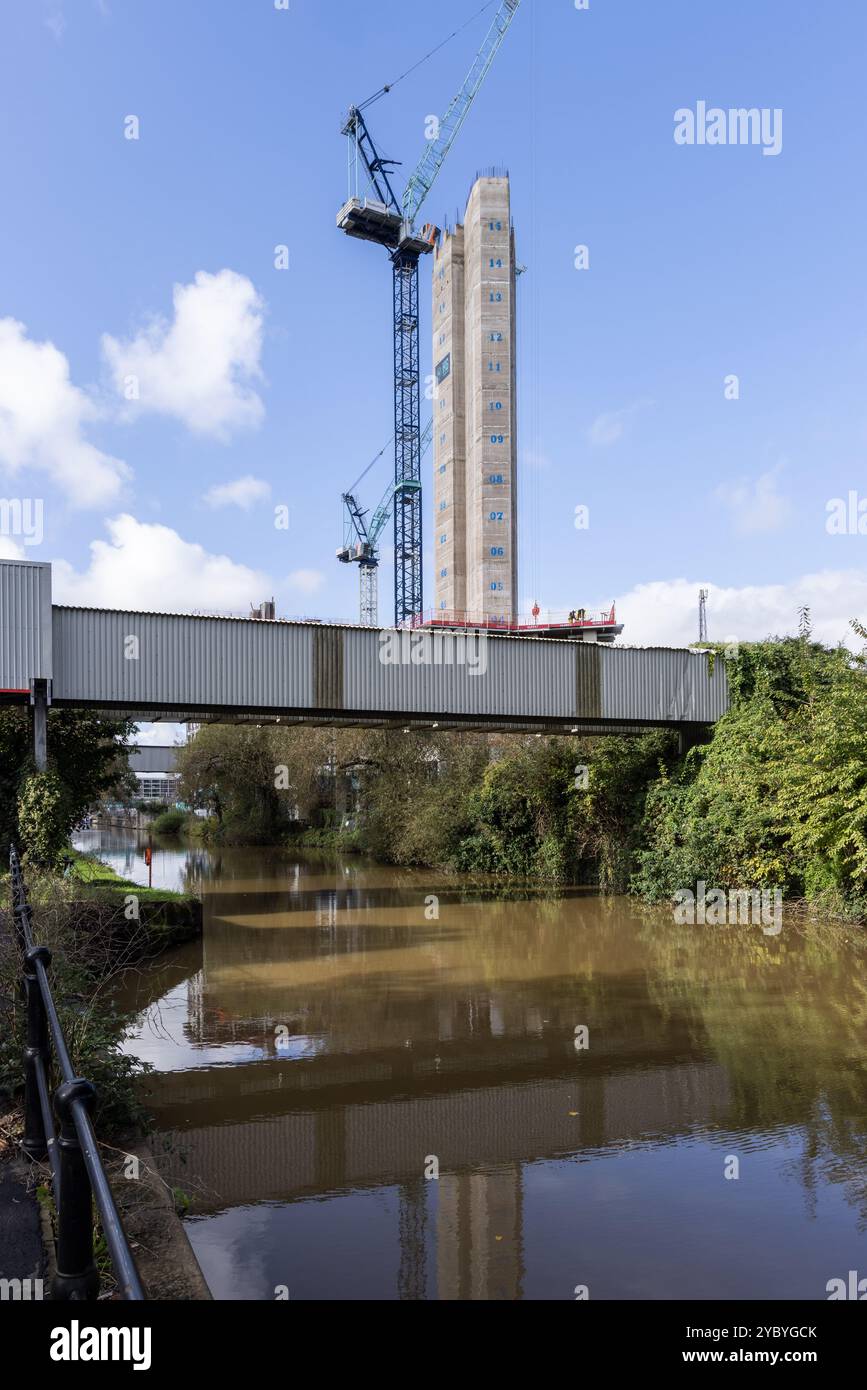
{"x":76,"y":1276}
{"x":35,"y":1054}
{"x":20,"y":906}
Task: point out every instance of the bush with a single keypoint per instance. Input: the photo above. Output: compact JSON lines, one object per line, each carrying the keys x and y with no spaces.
{"x":43,"y":818}
{"x":778,"y":798}
{"x":170,"y":823}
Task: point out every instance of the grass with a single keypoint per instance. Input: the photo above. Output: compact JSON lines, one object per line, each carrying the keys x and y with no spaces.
{"x":94,"y":873}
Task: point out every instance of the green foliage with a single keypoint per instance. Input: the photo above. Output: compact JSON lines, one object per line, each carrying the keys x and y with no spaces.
{"x":84,"y":959}
{"x":779,"y":796}
{"x":258,"y":781}
{"x":416,"y":792}
{"x":233,"y":771}
{"x":609,"y":814}
{"x":87,"y":756}
{"x":43,"y":817}
{"x":336,"y":841}
{"x":169,"y":822}
{"x":523,"y":814}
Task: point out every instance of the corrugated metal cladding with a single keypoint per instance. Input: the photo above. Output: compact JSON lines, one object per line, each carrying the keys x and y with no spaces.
{"x":487,"y":675}
{"x":152,"y":658}
{"x":172,"y":662}
{"x":152,"y":758}
{"x":25,"y":624}
{"x":661,"y":684}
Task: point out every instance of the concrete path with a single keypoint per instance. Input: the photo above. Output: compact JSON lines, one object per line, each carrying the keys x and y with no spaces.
{"x":21,"y":1250}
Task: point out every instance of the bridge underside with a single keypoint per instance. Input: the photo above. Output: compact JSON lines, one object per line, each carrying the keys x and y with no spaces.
{"x":411,"y":722}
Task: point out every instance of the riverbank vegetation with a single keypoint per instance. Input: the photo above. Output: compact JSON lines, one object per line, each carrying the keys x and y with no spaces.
{"x":87,"y":761}
{"x":779,"y":795}
{"x":91,"y":943}
{"x":96,"y":925}
{"x":168,"y":822}
{"x":776,"y":798}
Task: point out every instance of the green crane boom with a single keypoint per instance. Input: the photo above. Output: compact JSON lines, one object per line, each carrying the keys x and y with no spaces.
{"x":425,"y":175}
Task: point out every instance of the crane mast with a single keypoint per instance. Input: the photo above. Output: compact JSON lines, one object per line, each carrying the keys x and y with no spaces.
{"x":361,"y":542}
{"x":382,"y":220}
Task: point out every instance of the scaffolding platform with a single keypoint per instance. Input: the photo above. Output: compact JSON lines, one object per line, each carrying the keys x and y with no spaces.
{"x":601,"y":627}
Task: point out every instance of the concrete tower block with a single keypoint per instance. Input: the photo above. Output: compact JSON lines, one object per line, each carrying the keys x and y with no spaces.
{"x":491,"y":445}
{"x":449,"y":426}
{"x":475,"y":410}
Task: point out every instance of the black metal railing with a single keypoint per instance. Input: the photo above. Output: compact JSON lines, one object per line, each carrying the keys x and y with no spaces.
{"x":77,"y":1174}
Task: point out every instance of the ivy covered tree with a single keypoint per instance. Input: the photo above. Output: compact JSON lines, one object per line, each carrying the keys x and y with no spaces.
{"x":779,"y":796}
{"x":86,"y":760}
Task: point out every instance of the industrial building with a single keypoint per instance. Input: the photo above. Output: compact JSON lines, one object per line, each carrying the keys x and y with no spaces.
{"x":475,"y":410}
{"x":155,"y":768}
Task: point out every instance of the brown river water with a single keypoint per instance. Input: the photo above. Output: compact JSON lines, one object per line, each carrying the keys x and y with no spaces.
{"x":369,"y":1085}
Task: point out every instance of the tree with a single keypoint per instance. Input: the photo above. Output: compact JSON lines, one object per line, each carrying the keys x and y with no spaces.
{"x":256,"y":777}
{"x":779,"y":796}
{"x":86,"y":759}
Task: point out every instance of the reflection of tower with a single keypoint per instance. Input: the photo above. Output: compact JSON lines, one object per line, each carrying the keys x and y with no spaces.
{"x":480,"y":1236}
{"x":412,"y":1221}
{"x":326,"y":912}
{"x":196,"y":1006}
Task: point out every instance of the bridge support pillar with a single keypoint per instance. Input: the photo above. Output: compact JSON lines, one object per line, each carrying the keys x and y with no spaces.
{"x":39,"y":699}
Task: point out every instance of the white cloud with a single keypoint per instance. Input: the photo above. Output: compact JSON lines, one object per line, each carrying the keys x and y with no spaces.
{"x":198,"y":368}
{"x":243,"y":493}
{"x":610,"y":427}
{"x":306,"y":581}
{"x":167,"y":735}
{"x":56,"y":23}
{"x":11,"y":550}
{"x":756,"y":505}
{"x":665,"y":612}
{"x":151,"y":567}
{"x":42,"y":421}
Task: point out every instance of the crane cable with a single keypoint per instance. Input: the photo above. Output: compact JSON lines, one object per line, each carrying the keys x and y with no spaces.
{"x":383,"y":91}
{"x":351,"y":491}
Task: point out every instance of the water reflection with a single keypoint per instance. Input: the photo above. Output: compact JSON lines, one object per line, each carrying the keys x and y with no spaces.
{"x":327,"y":1045}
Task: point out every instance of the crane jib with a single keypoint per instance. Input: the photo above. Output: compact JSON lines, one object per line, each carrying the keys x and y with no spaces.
{"x":431,"y":162}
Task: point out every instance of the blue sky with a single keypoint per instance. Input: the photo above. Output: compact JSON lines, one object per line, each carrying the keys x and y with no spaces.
{"x":705,"y":261}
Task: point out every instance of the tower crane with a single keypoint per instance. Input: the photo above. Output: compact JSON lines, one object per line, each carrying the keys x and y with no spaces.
{"x":391,"y":224}
{"x":361,"y":542}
